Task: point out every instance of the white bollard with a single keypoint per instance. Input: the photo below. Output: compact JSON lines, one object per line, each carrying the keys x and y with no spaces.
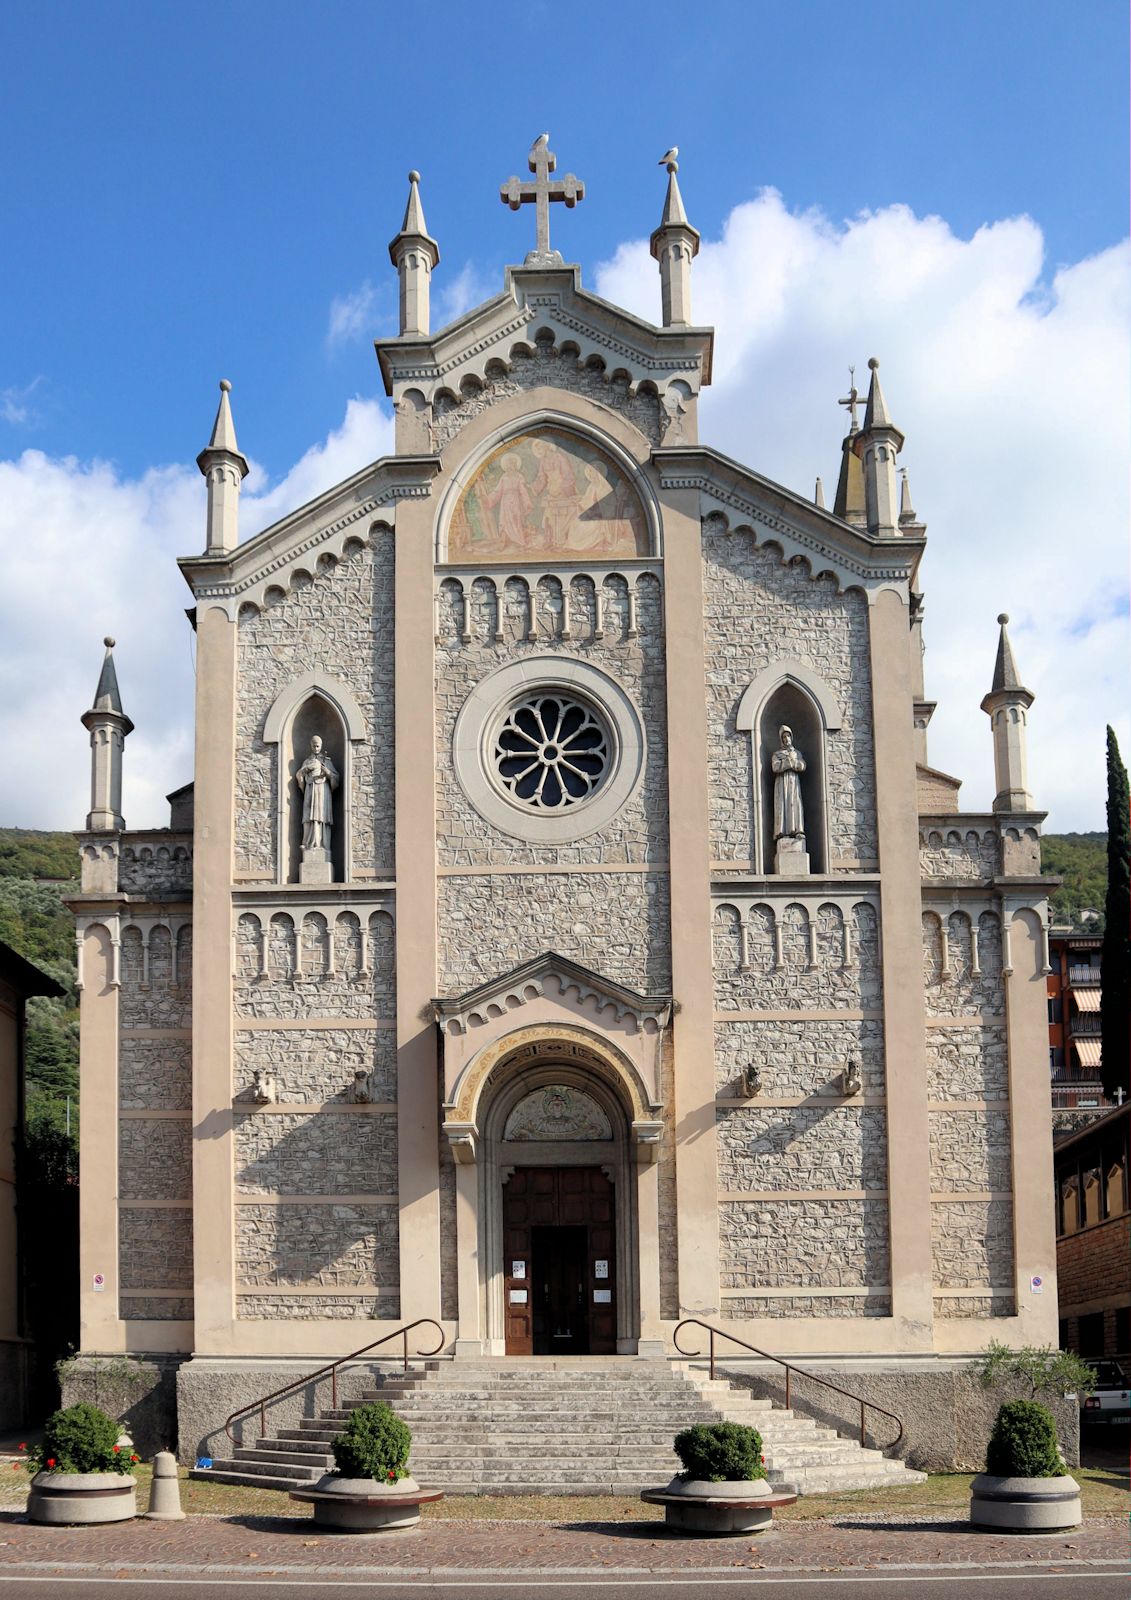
{"x":165,"y":1491}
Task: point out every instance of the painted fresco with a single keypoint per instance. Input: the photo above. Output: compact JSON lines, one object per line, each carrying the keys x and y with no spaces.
{"x":542,"y":492}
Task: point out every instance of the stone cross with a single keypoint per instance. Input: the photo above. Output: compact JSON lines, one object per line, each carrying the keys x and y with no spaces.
{"x":852,"y":399}
{"x":514,"y":193}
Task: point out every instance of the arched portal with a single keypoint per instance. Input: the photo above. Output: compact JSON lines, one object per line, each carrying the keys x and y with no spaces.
{"x":558,"y":1202}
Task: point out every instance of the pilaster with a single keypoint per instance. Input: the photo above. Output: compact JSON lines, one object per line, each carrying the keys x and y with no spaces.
{"x":693,"y":1029}
{"x":418,"y":1098}
{"x":212,"y":1021}
{"x":909,"y":1181}
{"x":100,"y":1327}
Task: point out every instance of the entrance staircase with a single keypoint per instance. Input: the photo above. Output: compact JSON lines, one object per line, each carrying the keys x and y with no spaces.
{"x":580,"y":1425}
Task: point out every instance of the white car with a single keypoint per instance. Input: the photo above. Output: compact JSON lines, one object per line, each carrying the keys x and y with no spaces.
{"x":1111,"y":1401}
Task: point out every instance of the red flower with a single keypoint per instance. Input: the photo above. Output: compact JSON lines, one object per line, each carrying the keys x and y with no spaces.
{"x":117,"y":1449}
{"x":135,"y":1458}
{"x":23,"y":1447}
{"x":15,"y":1466}
{"x":50,"y":1461}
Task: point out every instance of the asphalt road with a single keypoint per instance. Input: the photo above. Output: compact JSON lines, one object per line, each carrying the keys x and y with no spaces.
{"x":1088,"y":1584}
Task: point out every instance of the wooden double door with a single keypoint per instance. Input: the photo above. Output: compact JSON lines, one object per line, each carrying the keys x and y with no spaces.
{"x":559,"y":1259}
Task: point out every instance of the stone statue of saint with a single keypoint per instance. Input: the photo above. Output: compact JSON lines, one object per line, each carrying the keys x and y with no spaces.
{"x":317,"y":778}
{"x":787,"y":764}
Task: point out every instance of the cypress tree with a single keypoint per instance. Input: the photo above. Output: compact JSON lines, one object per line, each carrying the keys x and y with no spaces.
{"x":1117,"y":929}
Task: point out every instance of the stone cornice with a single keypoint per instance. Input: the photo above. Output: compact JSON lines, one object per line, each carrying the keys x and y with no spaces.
{"x":854,"y":556}
{"x":323,"y":526}
{"x":570,"y":975}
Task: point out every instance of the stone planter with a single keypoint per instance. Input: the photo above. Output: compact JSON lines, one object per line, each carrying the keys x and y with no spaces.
{"x":741,"y":1506}
{"x":1025,"y":1505}
{"x":364,"y":1505}
{"x":82,"y":1497}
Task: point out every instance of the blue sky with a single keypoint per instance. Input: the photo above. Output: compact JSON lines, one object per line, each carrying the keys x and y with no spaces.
{"x":206,"y":191}
{"x":195,"y":183}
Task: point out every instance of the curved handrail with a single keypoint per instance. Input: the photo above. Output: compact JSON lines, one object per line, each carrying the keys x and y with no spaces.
{"x":332,"y":1369}
{"x":790,"y":1369}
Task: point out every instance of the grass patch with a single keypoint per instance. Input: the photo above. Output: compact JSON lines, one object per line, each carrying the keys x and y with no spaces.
{"x":944,"y":1496}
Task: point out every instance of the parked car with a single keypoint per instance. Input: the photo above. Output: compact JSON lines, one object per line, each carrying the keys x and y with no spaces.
{"x":1111,"y":1401}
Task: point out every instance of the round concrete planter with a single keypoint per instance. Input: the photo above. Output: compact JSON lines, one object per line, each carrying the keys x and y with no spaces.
{"x":82,"y":1497}
{"x":364,"y":1505}
{"x":740,"y":1506}
{"x":1025,"y":1505}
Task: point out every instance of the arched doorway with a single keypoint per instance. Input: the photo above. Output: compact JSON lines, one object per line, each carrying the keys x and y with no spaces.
{"x":555,"y":1140}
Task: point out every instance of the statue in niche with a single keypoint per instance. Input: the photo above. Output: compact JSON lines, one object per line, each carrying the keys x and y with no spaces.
{"x":787,"y":764}
{"x":317,"y":778}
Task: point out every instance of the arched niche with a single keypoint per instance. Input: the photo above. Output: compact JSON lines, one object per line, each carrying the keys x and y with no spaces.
{"x":789,"y":694}
{"x":314,"y":705}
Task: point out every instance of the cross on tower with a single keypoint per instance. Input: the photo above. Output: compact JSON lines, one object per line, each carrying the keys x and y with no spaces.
{"x":852,"y":399}
{"x":514,"y":193}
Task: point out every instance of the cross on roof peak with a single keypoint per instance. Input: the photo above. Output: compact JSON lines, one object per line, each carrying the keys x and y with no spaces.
{"x":514,"y":193}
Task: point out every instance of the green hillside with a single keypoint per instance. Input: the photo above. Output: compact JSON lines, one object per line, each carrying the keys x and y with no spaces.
{"x":37,"y":872}
{"x":1081,"y":860}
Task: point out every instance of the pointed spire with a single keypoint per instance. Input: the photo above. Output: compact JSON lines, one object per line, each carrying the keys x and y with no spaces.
{"x":107,"y":696}
{"x":674,"y":244}
{"x":819,"y":495}
{"x":877,"y":444}
{"x":224,"y":469}
{"x":1006,"y":675}
{"x":415,"y":254}
{"x":108,"y":726}
{"x":906,"y":509}
{"x":224,"y":429}
{"x":1007,"y":706}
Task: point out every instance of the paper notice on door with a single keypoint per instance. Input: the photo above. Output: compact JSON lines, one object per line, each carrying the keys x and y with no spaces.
{"x":518,"y":1269}
{"x":602,"y":1297}
{"x":518,"y":1297}
{"x":600,"y":1269}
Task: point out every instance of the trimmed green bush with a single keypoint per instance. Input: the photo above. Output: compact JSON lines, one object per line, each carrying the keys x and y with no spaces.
{"x":720,"y":1452}
{"x":375,"y":1444}
{"x":80,"y":1439}
{"x":1023,"y":1443}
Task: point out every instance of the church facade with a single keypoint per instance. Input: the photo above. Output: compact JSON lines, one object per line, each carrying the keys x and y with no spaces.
{"x":564,"y":932}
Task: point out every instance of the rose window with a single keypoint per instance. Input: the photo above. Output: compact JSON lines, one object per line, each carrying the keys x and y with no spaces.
{"x":551,"y":751}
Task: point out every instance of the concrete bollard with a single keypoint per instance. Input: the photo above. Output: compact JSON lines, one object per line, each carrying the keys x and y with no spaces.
{"x":165,"y":1491}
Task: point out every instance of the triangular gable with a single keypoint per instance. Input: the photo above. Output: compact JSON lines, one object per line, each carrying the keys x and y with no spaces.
{"x":529,"y":980}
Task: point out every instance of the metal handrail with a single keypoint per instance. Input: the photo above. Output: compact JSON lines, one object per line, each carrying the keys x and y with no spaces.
{"x":332,"y":1369}
{"x":789,"y":1371}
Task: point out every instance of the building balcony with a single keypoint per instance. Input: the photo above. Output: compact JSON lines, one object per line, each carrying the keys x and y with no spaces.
{"x":1069,"y":1091}
{"x":1084,"y":977}
{"x":1090,"y":1022}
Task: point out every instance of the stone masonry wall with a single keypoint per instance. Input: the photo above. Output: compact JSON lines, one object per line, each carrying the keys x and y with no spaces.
{"x":801,"y":1147}
{"x":614,"y":922}
{"x":339,"y":620}
{"x":314,"y":990}
{"x":972,"y":1242}
{"x":532,"y":370}
{"x":165,"y":1004}
{"x":337,"y":1246}
{"x":157,"y":866}
{"x":827,"y":984}
{"x":798,"y":1058}
{"x":803,"y":1243}
{"x":314,"y":1065}
{"x":967,"y":1063}
{"x":759,"y":612}
{"x":960,"y":991}
{"x":638,"y":833}
{"x":319,"y":1153}
{"x":973,"y":854}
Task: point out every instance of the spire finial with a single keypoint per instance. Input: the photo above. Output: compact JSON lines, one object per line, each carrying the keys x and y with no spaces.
{"x":906,"y":509}
{"x":109,"y":643}
{"x":819,"y":495}
{"x":223,"y":430}
{"x":515,"y":193}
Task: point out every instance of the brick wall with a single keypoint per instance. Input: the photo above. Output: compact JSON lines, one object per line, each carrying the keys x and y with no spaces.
{"x":1094,"y":1266}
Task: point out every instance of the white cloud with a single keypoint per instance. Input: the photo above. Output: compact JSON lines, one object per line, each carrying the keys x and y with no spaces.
{"x":1012,"y":392}
{"x":456,"y":295}
{"x":15,"y":404}
{"x":352,"y":315}
{"x":88,"y":552}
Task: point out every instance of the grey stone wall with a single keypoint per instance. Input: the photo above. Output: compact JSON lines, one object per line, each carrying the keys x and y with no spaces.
{"x":158,"y":867}
{"x":315,"y":990}
{"x":155,"y":1074}
{"x":164,"y":1004}
{"x":665,"y":1187}
{"x":796,"y":985}
{"x":318,"y":1308}
{"x":615,"y":922}
{"x":798,"y":1058}
{"x":155,"y":1249}
{"x":961,"y":992}
{"x":972,"y":1243}
{"x":449,"y":1263}
{"x":338,"y":619}
{"x":799,"y":1305}
{"x":326,"y":1152}
{"x":339,"y":1246}
{"x":313,"y":1065}
{"x":969,"y":1150}
{"x":155,"y":1158}
{"x":973,"y":854}
{"x":532,"y":369}
{"x":638,"y":833}
{"x":801,"y":1147}
{"x":804,"y":1243}
{"x":759,"y":612}
{"x":967,"y":1063}
{"x":138,"y":1391}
